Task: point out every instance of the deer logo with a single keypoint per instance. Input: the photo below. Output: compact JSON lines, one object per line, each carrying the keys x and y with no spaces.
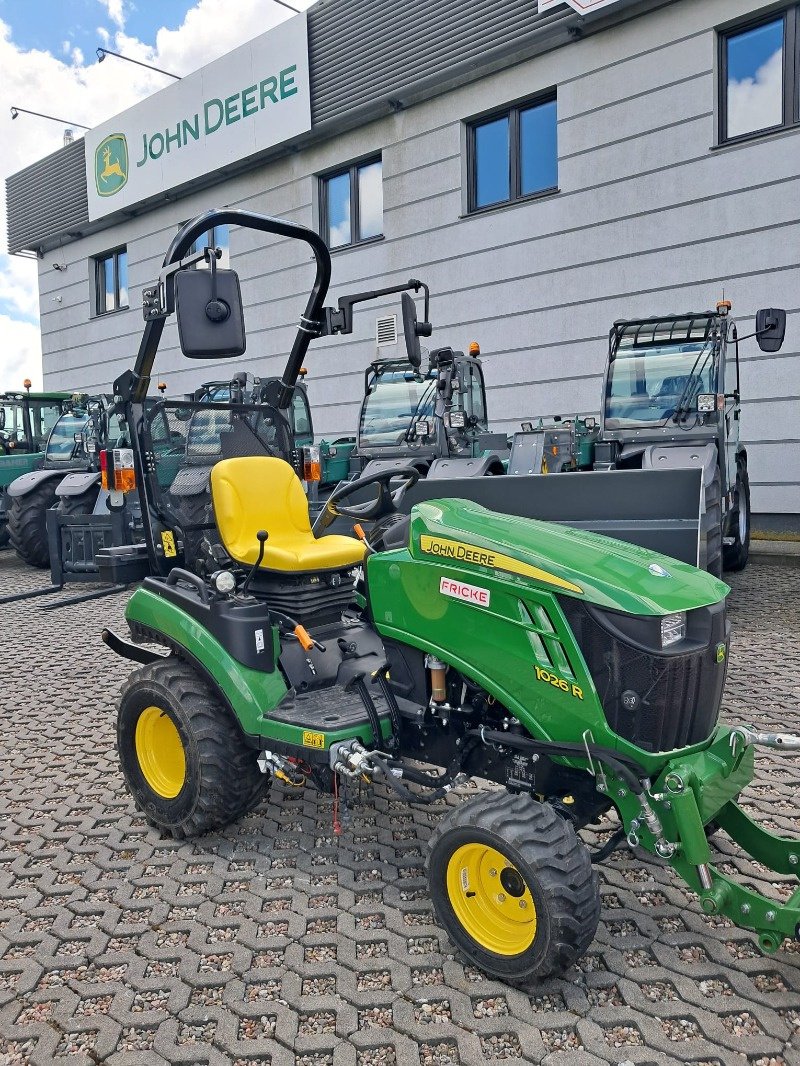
{"x":111,"y":164}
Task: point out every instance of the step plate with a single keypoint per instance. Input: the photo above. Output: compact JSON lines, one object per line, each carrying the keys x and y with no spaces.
{"x":328,"y":710}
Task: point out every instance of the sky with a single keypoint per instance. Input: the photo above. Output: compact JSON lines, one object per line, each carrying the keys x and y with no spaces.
{"x":48,"y":63}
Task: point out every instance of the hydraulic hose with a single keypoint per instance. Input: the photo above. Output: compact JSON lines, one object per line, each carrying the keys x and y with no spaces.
{"x":626,"y":769}
{"x":383,"y":768}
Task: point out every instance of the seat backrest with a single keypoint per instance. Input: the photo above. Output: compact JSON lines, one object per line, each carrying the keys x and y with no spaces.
{"x":257,"y":492}
{"x":673,"y":386}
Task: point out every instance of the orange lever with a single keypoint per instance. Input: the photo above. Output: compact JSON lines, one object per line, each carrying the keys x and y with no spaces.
{"x":302,"y":635}
{"x":358,"y":529}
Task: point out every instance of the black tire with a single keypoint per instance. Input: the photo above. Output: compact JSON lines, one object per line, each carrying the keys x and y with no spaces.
{"x":4,"y":537}
{"x":83,"y":504}
{"x":735,"y":555}
{"x":711,"y":528}
{"x":27,"y":523}
{"x":545,"y":858}
{"x":196,"y":511}
{"x":220,"y":780}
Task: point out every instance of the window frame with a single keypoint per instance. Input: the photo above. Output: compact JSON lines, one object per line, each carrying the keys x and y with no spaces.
{"x":512,"y":112}
{"x":224,"y":262}
{"x":99,"y":261}
{"x":351,"y":170}
{"x":790,"y":15}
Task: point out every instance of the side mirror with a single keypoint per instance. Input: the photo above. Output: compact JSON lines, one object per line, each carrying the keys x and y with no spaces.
{"x":413,"y":330}
{"x":208,"y":306}
{"x":770,"y":328}
{"x":2,"y":418}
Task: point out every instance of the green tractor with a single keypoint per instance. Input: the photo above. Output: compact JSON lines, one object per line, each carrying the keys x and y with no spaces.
{"x":578,"y":673}
{"x":67,"y":476}
{"x":26,"y":419}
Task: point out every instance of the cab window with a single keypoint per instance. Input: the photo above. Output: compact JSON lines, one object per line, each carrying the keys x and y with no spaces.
{"x":476,"y":395}
{"x":301,"y":414}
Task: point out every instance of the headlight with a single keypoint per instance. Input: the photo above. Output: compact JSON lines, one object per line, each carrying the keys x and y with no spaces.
{"x":422,"y":427}
{"x":673,"y":629}
{"x":706,"y":403}
{"x":457,"y":420}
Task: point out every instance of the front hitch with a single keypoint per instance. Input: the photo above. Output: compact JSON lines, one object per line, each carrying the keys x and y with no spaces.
{"x":705,"y":786}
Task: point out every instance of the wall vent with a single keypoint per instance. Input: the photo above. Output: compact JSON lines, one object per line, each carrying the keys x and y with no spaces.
{"x":386,"y":330}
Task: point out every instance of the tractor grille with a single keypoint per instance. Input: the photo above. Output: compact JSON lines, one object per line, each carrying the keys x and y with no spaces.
{"x":678,"y":695}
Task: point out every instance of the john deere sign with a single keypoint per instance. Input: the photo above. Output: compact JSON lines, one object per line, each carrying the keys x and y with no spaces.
{"x":249,"y":100}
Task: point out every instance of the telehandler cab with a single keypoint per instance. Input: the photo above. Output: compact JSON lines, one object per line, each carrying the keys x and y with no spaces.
{"x":578,"y":673}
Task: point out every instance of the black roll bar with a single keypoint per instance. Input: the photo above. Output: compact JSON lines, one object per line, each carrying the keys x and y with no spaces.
{"x":133,"y":384}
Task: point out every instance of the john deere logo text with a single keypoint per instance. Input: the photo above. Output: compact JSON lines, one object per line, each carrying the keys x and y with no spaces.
{"x":468,"y":553}
{"x":111,"y":164}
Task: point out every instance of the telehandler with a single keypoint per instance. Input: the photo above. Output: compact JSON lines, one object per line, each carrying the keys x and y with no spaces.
{"x":579,"y":673}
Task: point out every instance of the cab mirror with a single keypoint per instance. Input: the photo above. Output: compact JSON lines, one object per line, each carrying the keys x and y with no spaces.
{"x":2,"y":418}
{"x":410,"y":330}
{"x":208,"y":306}
{"x":770,"y":328}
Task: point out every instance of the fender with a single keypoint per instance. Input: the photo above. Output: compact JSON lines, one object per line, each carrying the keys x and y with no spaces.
{"x":481,"y":466}
{"x":26,"y":483}
{"x":78,"y":483}
{"x":251,"y":694}
{"x":682,"y":456}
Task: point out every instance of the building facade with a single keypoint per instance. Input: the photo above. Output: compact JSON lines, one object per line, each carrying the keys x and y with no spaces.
{"x":545,"y":172}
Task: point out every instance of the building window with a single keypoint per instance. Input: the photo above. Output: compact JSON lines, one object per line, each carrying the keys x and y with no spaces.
{"x":352,"y":204}
{"x":216,"y":237}
{"x":513,"y":155}
{"x":111,"y":281}
{"x":759,"y":76}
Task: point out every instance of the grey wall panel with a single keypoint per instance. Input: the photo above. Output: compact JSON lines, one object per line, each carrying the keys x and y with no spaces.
{"x":46,"y":198}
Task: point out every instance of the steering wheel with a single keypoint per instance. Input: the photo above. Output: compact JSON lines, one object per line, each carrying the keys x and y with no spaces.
{"x":387,"y":502}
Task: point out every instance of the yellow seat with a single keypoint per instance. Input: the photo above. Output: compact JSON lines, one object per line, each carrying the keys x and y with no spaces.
{"x":257,"y":492}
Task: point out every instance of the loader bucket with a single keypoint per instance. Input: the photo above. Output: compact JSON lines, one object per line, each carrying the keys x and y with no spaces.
{"x":656,"y":509}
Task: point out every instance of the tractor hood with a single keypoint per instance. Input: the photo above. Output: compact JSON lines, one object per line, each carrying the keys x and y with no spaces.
{"x":609,"y":573}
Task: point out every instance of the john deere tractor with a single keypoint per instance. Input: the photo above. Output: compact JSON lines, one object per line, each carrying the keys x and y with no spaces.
{"x":26,"y":419}
{"x":578,"y":673}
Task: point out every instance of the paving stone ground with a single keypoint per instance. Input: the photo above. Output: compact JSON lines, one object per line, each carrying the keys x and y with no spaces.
{"x":278,"y":941}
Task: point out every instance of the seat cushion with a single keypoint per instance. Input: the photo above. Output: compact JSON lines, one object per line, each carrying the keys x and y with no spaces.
{"x":257,"y":492}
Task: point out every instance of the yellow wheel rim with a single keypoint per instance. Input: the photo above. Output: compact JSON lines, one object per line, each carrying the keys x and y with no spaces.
{"x":159,"y":750}
{"x":491,"y":899}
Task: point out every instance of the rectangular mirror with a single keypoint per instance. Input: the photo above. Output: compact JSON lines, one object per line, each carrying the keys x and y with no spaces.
{"x":770,"y":328}
{"x":208,"y":305}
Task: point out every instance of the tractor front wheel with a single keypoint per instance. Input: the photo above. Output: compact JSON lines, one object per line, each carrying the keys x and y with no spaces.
{"x":736,"y":554}
{"x":27,"y":523}
{"x":514,"y":887}
{"x":185,"y":762}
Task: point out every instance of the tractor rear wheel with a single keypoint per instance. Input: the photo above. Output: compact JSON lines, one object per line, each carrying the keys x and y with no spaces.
{"x":82,"y":504}
{"x":736,"y":554}
{"x":514,"y":887}
{"x":27,"y":523}
{"x":196,"y":511}
{"x":185,"y":761}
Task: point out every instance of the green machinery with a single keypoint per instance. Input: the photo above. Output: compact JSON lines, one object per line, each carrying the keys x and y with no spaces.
{"x":579,"y":673}
{"x":671,"y":402}
{"x":26,"y":419}
{"x":67,"y":475}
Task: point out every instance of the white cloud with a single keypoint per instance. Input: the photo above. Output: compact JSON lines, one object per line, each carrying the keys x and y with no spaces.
{"x":116,"y":12}
{"x":22,"y":354}
{"x":90,"y":93}
{"x":757,"y":103}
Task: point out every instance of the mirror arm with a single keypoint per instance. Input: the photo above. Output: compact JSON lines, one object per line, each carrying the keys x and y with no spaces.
{"x":341,"y":320}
